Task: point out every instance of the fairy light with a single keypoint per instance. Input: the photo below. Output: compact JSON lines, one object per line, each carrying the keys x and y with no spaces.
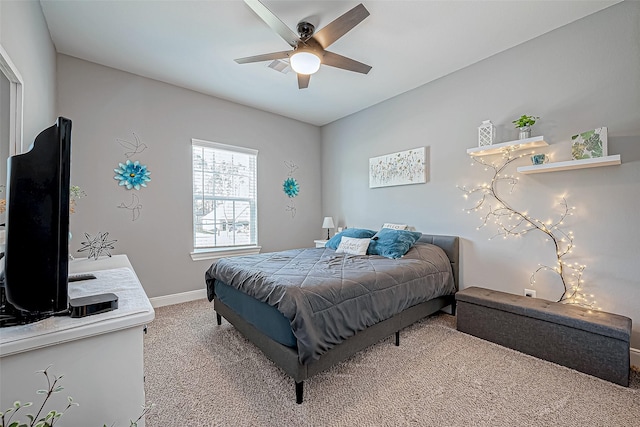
{"x":512,"y":222}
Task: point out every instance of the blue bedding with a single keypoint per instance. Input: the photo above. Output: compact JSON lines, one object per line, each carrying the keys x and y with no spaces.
{"x":265,"y":318}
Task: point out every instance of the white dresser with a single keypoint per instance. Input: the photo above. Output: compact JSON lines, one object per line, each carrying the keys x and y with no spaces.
{"x":100,"y":356}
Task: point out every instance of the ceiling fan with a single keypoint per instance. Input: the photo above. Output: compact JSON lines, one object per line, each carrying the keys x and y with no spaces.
{"x":308,"y":46}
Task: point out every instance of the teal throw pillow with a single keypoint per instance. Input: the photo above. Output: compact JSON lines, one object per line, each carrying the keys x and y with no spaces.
{"x":392,"y":243}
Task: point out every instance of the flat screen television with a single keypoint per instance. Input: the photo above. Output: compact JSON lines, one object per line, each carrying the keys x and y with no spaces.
{"x":36,"y":257}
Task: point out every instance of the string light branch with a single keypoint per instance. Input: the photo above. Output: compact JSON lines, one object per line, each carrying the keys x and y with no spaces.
{"x":512,"y":222}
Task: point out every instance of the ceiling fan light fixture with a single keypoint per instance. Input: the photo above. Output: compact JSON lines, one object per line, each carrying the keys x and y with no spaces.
{"x":305,"y":62}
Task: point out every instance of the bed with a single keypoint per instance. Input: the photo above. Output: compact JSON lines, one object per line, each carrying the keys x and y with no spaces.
{"x":309,"y":309}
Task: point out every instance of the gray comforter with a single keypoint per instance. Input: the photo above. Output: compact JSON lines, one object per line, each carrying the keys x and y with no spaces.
{"x":329,"y":297}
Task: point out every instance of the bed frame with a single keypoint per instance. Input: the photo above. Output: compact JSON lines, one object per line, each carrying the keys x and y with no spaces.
{"x":287,"y":358}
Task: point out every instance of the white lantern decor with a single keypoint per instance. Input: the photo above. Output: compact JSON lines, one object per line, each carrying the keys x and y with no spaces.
{"x":486,"y":133}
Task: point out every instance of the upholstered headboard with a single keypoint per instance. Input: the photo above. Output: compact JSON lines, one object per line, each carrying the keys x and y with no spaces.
{"x":451,"y":246}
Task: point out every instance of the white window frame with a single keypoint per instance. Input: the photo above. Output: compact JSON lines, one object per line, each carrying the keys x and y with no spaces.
{"x":227,"y":251}
{"x":16,"y":95}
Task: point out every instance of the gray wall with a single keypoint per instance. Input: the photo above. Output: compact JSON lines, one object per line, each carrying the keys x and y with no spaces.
{"x":579,"y":77}
{"x":106,"y":105}
{"x":25,"y":37}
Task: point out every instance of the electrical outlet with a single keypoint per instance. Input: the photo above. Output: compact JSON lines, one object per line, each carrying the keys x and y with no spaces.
{"x":529,"y":293}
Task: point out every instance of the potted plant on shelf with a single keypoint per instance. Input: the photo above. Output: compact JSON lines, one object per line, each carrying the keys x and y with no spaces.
{"x":524,"y":123}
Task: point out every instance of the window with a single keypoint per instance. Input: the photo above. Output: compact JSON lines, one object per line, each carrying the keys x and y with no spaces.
{"x":224,"y":196}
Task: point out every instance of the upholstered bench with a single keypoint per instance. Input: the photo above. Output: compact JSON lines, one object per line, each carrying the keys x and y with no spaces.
{"x":593,"y":342}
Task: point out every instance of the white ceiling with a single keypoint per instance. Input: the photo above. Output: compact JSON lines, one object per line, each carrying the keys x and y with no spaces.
{"x":193,"y":44}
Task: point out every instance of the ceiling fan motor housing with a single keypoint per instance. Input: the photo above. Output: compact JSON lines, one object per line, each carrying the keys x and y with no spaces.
{"x":305,"y":30}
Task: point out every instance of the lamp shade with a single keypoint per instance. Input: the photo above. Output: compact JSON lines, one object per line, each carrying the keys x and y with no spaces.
{"x":328,"y":222}
{"x":305,"y":62}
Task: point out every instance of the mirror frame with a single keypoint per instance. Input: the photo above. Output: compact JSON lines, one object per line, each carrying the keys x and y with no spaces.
{"x":16,"y":96}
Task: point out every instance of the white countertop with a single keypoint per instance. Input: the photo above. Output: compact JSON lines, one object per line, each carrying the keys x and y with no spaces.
{"x":113,"y":275}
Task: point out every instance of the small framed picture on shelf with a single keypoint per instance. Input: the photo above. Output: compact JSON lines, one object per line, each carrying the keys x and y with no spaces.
{"x":589,"y":145}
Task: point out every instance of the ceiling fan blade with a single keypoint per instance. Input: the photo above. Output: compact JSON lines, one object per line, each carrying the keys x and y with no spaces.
{"x":265,"y":57}
{"x":303,"y":81}
{"x":334,"y":60}
{"x":274,"y":22}
{"x":341,"y":25}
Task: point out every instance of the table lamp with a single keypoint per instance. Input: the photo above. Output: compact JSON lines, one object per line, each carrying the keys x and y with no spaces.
{"x":328,"y":223}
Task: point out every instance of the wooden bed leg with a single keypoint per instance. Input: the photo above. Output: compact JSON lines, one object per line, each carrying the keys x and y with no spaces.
{"x":219,"y":319}
{"x":299,"y":392}
{"x":397,"y":338}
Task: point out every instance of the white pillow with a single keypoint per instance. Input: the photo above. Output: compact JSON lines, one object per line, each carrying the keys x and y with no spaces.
{"x":353,"y":246}
{"x":395,"y":226}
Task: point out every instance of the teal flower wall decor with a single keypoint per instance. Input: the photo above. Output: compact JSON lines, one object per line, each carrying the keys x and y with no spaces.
{"x":291,"y":187}
{"x":132,"y":175}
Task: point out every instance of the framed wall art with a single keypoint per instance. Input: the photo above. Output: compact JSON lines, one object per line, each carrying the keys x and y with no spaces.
{"x":589,"y":145}
{"x":401,"y":168}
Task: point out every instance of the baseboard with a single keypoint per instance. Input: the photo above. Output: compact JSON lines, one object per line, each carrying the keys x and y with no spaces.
{"x":178,"y":298}
{"x":635,"y":357}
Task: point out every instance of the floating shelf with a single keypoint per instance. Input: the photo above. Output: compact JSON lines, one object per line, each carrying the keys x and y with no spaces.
{"x":571,"y":164}
{"x":519,"y":144}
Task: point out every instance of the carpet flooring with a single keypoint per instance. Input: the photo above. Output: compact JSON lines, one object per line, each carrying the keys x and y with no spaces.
{"x":201,"y":374}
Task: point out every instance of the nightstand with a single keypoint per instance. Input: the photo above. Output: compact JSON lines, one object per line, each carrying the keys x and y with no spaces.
{"x":320,"y":243}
